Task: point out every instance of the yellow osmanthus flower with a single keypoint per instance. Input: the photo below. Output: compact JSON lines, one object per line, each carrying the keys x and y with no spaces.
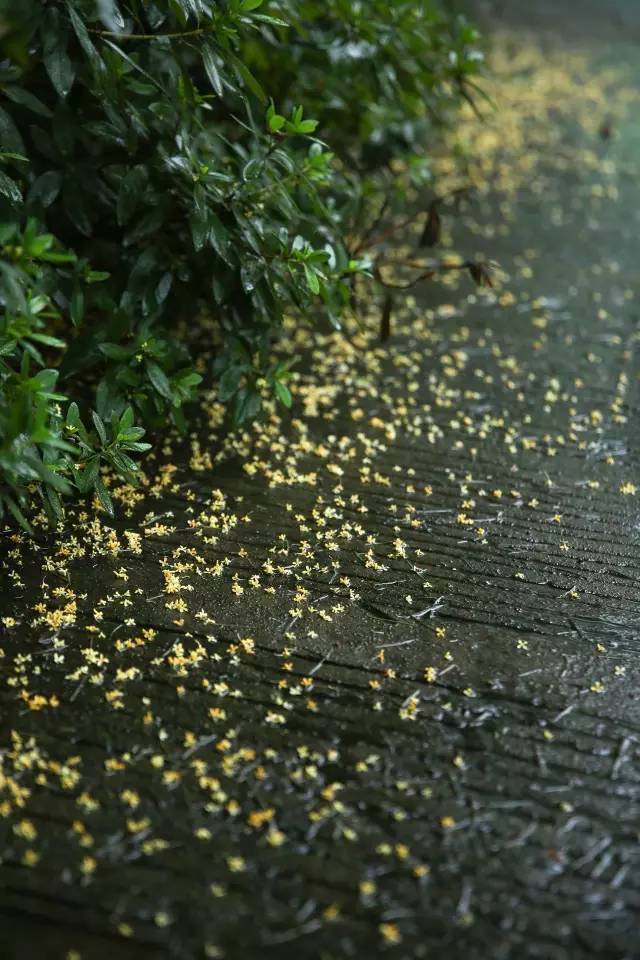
{"x":390,"y":933}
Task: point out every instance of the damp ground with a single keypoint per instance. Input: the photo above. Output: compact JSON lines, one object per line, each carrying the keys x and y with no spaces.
{"x":363,"y":680}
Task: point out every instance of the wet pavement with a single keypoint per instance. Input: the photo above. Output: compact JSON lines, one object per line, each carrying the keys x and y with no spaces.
{"x":363,"y":681}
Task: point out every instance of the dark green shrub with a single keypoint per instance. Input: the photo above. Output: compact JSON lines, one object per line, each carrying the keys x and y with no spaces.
{"x":44,"y":445}
{"x":173,"y":147}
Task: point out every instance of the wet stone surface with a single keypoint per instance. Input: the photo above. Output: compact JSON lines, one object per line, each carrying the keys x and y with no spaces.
{"x":364,"y":681}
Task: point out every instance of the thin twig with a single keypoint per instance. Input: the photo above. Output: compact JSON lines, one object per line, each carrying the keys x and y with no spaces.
{"x":179,"y":35}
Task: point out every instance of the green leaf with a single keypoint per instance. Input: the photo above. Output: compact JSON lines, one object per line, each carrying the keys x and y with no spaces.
{"x":110,"y":15}
{"x":199,"y":222}
{"x":55,"y":504}
{"x":132,"y":433}
{"x":136,"y":447}
{"x":103,"y":496}
{"x":48,"y":340}
{"x":211,"y":68}
{"x":252,"y":169}
{"x":100,"y":428}
{"x":55,"y":57}
{"x":247,"y":405}
{"x":10,"y":138}
{"x":250,"y":273}
{"x":312,"y":279}
{"x":73,"y":415}
{"x":159,"y":379}
{"x":219,"y":237}
{"x":130,"y":194}
{"x":272,"y":21}
{"x":164,"y":286}
{"x":17,"y":513}
{"x":276,"y":122}
{"x":45,"y":380}
{"x":307,"y":126}
{"x":247,"y":77}
{"x":283,"y":394}
{"x":33,"y":352}
{"x":134,"y":66}
{"x":114,"y":351}
{"x":178,"y":418}
{"x":83,"y":36}
{"x":85,"y":479}
{"x":96,"y":276}
{"x":28,"y":100}
{"x":126,"y":420}
{"x":45,"y":188}
{"x":229,"y":383}
{"x":190,"y":380}
{"x":76,"y":307}
{"x":76,"y":207}
{"x":247,"y":5}
{"x":124,"y":464}
{"x":9,"y":188}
